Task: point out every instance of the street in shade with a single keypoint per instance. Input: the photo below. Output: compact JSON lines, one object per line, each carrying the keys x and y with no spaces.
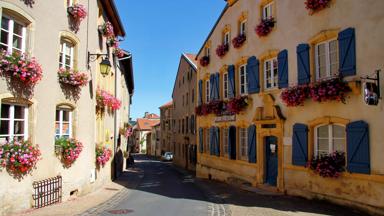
{"x":161,"y":189}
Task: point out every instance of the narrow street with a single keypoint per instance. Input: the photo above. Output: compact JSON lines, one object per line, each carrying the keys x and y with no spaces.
{"x":158,"y":188}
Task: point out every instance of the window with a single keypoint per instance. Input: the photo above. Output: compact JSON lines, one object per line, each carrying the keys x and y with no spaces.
{"x":193,"y":95}
{"x":206,"y":146}
{"x":270,"y":73}
{"x":206,"y":51}
{"x":182,"y":126}
{"x":13,"y":35}
{"x":193,"y":124}
{"x":186,"y":125}
{"x":207,"y":91}
{"x":183,"y":101}
{"x":66,"y":54}
{"x":13,"y":122}
{"x":243,"y":27}
{"x":327,"y":59}
{"x":179,"y":126}
{"x":243,"y":143}
{"x":267,"y":11}
{"x":187,"y":99}
{"x":225,"y":141}
{"x":329,"y":138}
{"x":226,"y":39}
{"x":243,"y":80}
{"x":225,"y":85}
{"x":63,"y":124}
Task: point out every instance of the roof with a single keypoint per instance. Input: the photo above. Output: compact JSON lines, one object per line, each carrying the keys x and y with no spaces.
{"x":146,"y":124}
{"x":151,"y":116}
{"x":126,"y":65}
{"x":170,"y":103}
{"x":113,"y":16}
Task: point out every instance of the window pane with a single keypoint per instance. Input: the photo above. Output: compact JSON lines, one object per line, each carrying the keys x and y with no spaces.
{"x":57,"y":128}
{"x":17,"y":41}
{"x":323,"y":145}
{"x":17,"y":29}
{"x":65,"y":128}
{"x":65,"y":115}
{"x":323,"y":131}
{"x":5,"y":110}
{"x":5,"y":23}
{"x":4,"y":128}
{"x":57,"y":115}
{"x":19,"y":112}
{"x":4,"y":37}
{"x":19,"y":127}
{"x":334,"y":57}
{"x":339,"y":145}
{"x":338,"y":131}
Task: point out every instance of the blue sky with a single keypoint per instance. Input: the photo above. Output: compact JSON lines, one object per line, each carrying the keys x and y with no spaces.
{"x":157,"y":32}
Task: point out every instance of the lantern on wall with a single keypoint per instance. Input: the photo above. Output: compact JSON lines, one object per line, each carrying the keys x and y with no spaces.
{"x":105,"y":64}
{"x":372,"y":89}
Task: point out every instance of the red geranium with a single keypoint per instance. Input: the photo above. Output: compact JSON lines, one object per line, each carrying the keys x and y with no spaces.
{"x":222,"y":49}
{"x":238,"y":104}
{"x":265,"y":26}
{"x":204,"y":61}
{"x":239,"y":41}
{"x":316,"y":5}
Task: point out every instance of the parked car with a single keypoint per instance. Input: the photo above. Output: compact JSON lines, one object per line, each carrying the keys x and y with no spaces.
{"x":167,"y":156}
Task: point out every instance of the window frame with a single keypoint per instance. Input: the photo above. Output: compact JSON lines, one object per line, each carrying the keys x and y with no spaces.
{"x":225,"y":139}
{"x":227,"y":38}
{"x":61,"y":122}
{"x":243,"y":28}
{"x":243,"y":143}
{"x":274,"y":80}
{"x":327,"y":59}
{"x":63,"y":48}
{"x":330,"y":138}
{"x":225,"y":86}
{"x":207,"y":51}
{"x":269,"y":10}
{"x":206,"y":141}
{"x":10,"y":31}
{"x":11,"y":119}
{"x":245,"y":84}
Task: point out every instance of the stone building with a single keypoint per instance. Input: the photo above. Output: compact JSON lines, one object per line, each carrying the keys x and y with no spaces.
{"x":183,"y":115}
{"x":54,"y":109}
{"x":271,"y":99}
{"x":166,"y":128}
{"x":142,"y":129}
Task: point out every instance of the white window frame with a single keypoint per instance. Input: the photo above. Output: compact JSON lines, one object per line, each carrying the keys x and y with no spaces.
{"x":11,"y":24}
{"x":69,"y":3}
{"x":227,"y":38}
{"x":207,"y":91}
{"x":268,"y":11}
{"x":225,"y":86}
{"x":64,"y":45}
{"x":225,"y":141}
{"x":11,"y":119}
{"x":243,"y":27}
{"x":61,"y":123}
{"x":207,"y":51}
{"x":274,"y":80}
{"x":327,"y":58}
{"x":244,"y":67}
{"x":330,"y":138}
{"x":243,"y":140}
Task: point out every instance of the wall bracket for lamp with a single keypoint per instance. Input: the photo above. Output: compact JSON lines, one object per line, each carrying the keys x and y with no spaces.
{"x":372,"y":89}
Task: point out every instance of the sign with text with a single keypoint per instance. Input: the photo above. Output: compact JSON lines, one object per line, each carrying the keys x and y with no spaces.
{"x":225,"y":118}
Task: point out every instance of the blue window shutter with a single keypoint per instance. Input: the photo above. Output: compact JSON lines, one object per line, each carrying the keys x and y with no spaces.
{"x":303,"y":67}
{"x":200,"y":92}
{"x":300,"y":145}
{"x":211,"y":87}
{"x":231,"y":80}
{"x":217,"y":86}
{"x":358,"y":159}
{"x":252,"y":144}
{"x":282,"y":59}
{"x":211,"y":140}
{"x":201,"y":138}
{"x":347,"y":52}
{"x":253,"y":74}
{"x":217,"y":141}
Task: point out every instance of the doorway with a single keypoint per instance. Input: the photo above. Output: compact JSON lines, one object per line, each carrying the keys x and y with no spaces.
{"x":271,"y":160}
{"x":232,"y":143}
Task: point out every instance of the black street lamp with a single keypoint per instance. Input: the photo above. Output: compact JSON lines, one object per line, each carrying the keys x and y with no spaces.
{"x":105,"y":64}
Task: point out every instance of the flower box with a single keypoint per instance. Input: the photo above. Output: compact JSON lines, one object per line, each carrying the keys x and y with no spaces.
{"x":221,"y":50}
{"x":19,"y":157}
{"x":204,"y":61}
{"x":219,"y":107}
{"x":103,"y":155}
{"x":68,"y":149}
{"x":239,"y":41}
{"x":328,"y":166}
{"x":77,"y":13}
{"x":265,"y":26}
{"x":316,"y":5}
{"x":107,"y":30}
{"x":106,"y":100}
{"x":72,"y":77}
{"x":237,"y":104}
{"x":19,"y":66}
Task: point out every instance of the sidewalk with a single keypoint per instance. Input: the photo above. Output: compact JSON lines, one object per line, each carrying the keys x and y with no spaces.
{"x":93,"y":202}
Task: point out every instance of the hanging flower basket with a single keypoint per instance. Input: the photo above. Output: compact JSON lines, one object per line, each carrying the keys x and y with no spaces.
{"x":295,"y":96}
{"x":237,"y":104}
{"x":77,"y":13}
{"x":328,"y":166}
{"x":19,"y":66}
{"x":19,"y":158}
{"x":103,"y":154}
{"x":239,"y":41}
{"x":221,"y":50}
{"x":265,"y":26}
{"x":113,"y":42}
{"x":118,"y":52}
{"x":72,"y":77}
{"x":69,"y":150}
{"x":106,"y":100}
{"x":204,"y":61}
{"x":316,"y":5}
{"x":107,"y":30}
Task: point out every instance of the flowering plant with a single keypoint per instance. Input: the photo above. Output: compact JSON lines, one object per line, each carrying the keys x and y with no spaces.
{"x":329,"y":90}
{"x":216,"y":107}
{"x":77,"y":12}
{"x":295,"y":96}
{"x":316,"y":5}
{"x":105,"y":99}
{"x":202,"y":110}
{"x":17,"y":65}
{"x":113,"y":42}
{"x":239,"y":41}
{"x":70,"y":150}
{"x":103,"y":154}
{"x":237,"y":104}
{"x":265,"y":26}
{"x":107,"y":29}
{"x":29,"y":2}
{"x":118,"y":52}
{"x":331,"y":165}
{"x":222,"y":49}
{"x":204,"y":61}
{"x":71,"y":77}
{"x":19,"y":157}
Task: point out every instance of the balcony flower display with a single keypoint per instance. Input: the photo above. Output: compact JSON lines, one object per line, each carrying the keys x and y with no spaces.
{"x":237,"y":104}
{"x":72,"y":77}
{"x":69,"y":150}
{"x":328,"y":166}
{"x":239,"y":41}
{"x":202,"y":110}
{"x":204,"y":61}
{"x":105,"y":99}
{"x":107,"y":30}
{"x":118,"y":52}
{"x":103,"y":154}
{"x":295,"y":96}
{"x":113,"y":42}
{"x":77,"y":13}
{"x":20,"y":67}
{"x":265,"y":26}
{"x":221,"y":50}
{"x":19,"y":157}
{"x":329,"y":90}
{"x":216,"y":107}
{"x":316,"y":5}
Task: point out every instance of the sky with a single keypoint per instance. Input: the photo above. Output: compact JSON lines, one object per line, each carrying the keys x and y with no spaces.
{"x":157,"y":33}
